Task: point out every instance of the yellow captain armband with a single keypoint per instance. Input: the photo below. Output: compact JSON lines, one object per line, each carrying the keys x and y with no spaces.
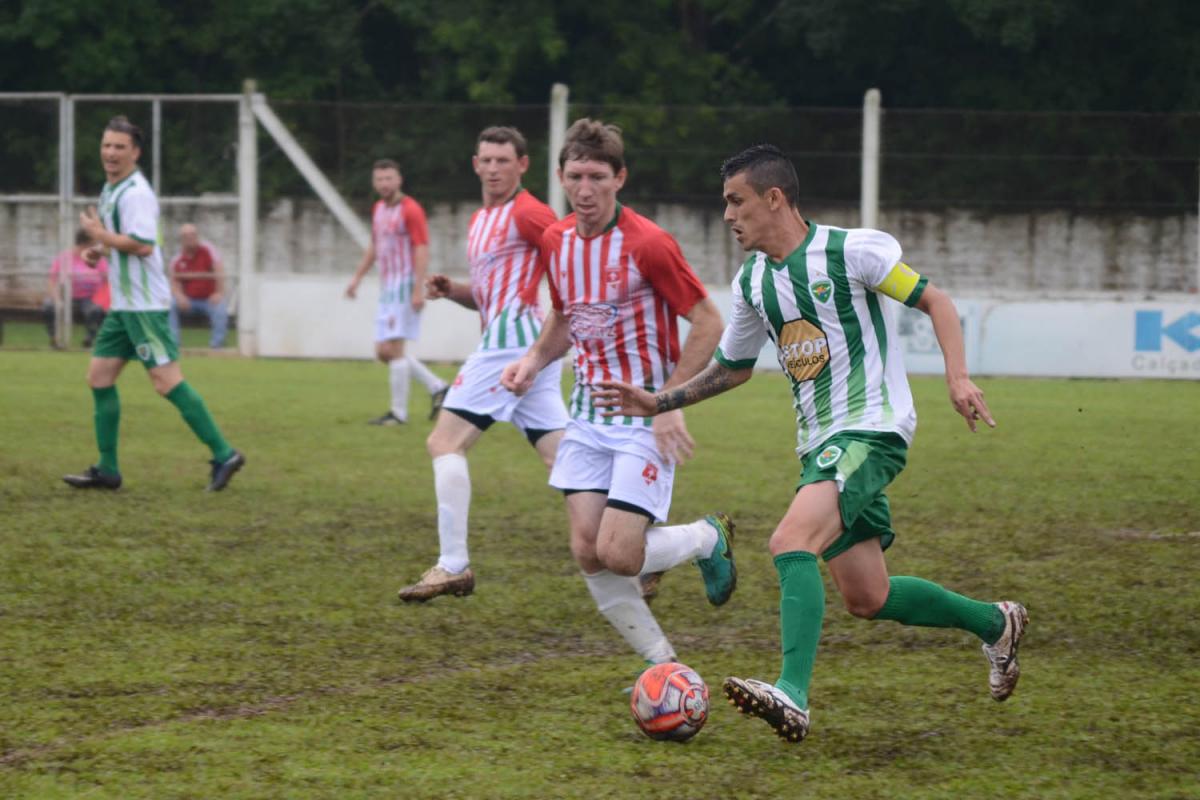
{"x":903,"y":284}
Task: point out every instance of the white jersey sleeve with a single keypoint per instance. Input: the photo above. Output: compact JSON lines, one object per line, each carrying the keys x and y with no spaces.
{"x":138,"y":209}
{"x":873,"y":259}
{"x":870,"y":256}
{"x":745,"y":334}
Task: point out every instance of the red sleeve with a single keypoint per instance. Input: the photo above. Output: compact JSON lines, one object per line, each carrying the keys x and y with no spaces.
{"x":414,"y":222}
{"x":532,"y":218}
{"x":56,"y":266}
{"x":661,"y":262}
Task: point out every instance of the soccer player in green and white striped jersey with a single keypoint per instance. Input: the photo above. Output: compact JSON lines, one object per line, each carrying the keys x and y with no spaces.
{"x":136,"y":326}
{"x":823,"y":296}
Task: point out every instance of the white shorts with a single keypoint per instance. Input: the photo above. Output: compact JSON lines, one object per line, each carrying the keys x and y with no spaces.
{"x":397,"y":321}
{"x":477,"y":390}
{"x":618,"y":459}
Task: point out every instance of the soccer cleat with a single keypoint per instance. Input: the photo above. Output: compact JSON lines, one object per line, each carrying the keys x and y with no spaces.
{"x":436,"y":399}
{"x":770,"y":704}
{"x":1002,"y":656}
{"x":649,"y":583}
{"x":93,"y":478}
{"x":437,"y":581}
{"x":718,"y":570}
{"x":388,"y":420}
{"x":222,"y":471}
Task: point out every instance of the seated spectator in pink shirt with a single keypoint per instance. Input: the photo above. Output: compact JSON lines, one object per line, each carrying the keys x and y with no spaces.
{"x":86,"y":281}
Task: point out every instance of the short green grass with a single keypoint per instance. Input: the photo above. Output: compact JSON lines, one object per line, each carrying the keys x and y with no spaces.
{"x":162,"y":642}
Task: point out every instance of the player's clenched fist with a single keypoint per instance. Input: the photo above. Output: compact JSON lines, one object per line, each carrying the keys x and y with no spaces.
{"x":437,"y":287}
{"x":518,"y":376}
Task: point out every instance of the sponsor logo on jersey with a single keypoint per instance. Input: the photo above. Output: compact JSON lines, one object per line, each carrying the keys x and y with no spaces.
{"x":822,"y":290}
{"x":593,"y":320}
{"x":803,"y":349}
{"x":650,"y":473}
{"x":829,"y":456}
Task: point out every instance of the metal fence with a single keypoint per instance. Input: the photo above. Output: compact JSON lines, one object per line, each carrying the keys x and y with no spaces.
{"x":930,"y":158}
{"x":948,"y":162}
{"x":974,"y":159}
{"x":49,"y":147}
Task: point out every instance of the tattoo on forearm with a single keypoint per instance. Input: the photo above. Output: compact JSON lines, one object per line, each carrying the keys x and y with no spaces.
{"x":716,"y":378}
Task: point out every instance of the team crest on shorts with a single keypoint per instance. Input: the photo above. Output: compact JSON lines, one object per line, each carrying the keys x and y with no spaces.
{"x":650,"y":473}
{"x":822,"y":290}
{"x":143,"y":351}
{"x":829,"y":456}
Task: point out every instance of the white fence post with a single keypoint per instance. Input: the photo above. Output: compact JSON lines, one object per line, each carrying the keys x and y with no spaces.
{"x":247,"y":171}
{"x":558,"y":132}
{"x":869,"y":197}
{"x":66,"y":215}
{"x":156,"y":144}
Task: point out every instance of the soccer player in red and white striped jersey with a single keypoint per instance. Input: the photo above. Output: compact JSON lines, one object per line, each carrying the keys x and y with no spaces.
{"x":618,"y":284}
{"x":503,"y":244}
{"x":400,"y":245}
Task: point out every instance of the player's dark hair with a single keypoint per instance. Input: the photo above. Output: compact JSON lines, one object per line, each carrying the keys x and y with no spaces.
{"x":121,"y":124}
{"x":765,"y":167}
{"x":386,"y":163}
{"x":593,"y":140}
{"x":82,"y":237}
{"x":503,"y":134}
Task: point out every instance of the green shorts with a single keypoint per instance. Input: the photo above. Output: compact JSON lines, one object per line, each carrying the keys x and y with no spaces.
{"x":863,"y":463}
{"x":144,"y":335}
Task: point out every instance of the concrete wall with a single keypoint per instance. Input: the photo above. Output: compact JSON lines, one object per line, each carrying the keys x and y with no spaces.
{"x":1038,"y":252}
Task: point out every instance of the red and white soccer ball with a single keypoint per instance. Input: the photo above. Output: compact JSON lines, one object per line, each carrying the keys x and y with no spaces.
{"x":670,"y":701}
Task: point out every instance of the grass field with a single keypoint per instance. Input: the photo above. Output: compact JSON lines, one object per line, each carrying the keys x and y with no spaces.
{"x":161,"y":642}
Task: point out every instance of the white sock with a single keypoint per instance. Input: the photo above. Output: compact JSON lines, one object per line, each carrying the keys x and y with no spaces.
{"x":422,"y":373}
{"x":452,"y":485}
{"x":668,"y":547}
{"x":619,"y":599}
{"x":398,"y":376}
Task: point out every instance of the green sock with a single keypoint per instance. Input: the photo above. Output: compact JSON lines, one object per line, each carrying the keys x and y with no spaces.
{"x":108,"y":422}
{"x":195,"y":413}
{"x":801,"y":612}
{"x":913,"y":601}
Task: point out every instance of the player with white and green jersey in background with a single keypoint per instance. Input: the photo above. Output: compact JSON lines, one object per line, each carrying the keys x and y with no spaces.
{"x":137,"y":326}
{"x":824,"y":297}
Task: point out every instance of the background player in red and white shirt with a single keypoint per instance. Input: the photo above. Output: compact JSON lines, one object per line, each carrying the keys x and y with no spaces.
{"x":618,"y":283}
{"x":400,"y":245}
{"x":503,"y":241}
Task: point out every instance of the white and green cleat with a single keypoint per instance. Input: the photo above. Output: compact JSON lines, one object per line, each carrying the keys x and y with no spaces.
{"x":719,"y":570}
{"x":770,"y":704}
{"x":1003,"y":668}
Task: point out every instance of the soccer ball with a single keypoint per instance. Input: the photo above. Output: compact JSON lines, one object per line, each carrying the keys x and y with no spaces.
{"x":670,"y":701}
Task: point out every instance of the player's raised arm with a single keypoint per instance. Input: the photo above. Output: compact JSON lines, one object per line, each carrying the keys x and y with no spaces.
{"x":90,"y":221}
{"x":622,"y":399}
{"x":966,"y":397}
{"x":442,"y":286}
